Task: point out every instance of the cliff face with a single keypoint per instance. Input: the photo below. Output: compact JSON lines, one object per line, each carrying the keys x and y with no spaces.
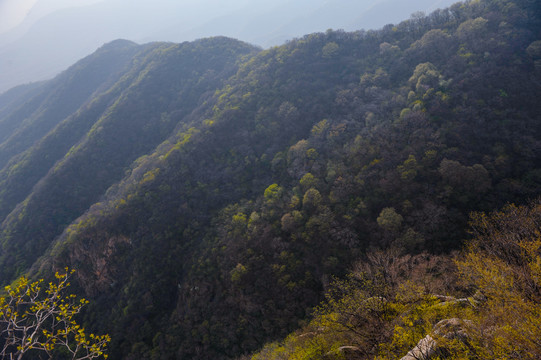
{"x":101,"y":272}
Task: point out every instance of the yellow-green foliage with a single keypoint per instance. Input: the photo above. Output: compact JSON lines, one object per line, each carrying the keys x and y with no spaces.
{"x":503,"y":262}
{"x":317,"y":341}
{"x":388,"y":305}
{"x":184,"y":138}
{"x":38,"y":318}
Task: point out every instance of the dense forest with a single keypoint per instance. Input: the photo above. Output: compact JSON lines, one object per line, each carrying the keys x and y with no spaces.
{"x":214,"y":197}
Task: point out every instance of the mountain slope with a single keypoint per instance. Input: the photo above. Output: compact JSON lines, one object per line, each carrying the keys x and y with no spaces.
{"x":61,"y":97}
{"x":222,"y":186}
{"x":102,"y":138}
{"x":228,"y":232}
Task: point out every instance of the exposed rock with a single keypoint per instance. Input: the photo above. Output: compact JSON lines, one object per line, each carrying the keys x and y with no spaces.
{"x":99,"y":274}
{"x":427,"y":347}
{"x":451,"y":328}
{"x":424,"y":350}
{"x":462,"y":302}
{"x":348,"y":348}
{"x":345,"y":350}
{"x":444,"y":298}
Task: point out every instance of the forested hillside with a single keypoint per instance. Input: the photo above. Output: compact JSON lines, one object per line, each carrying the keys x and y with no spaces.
{"x":80,"y":155}
{"x":481,"y":303}
{"x":207,"y":193}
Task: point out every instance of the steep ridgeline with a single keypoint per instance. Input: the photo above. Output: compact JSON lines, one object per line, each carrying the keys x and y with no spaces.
{"x":14,"y":98}
{"x":42,"y":123}
{"x":33,"y":114}
{"x":255,"y":189}
{"x":77,"y":158}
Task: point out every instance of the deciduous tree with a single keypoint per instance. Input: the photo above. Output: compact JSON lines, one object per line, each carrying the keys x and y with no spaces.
{"x":37,"y":318}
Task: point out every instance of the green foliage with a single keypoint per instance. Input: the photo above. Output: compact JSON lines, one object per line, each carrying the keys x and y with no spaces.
{"x":320,"y":127}
{"x":311,"y":199}
{"x":308,"y":181}
{"x":330,"y":49}
{"x":425,"y":76}
{"x":238,"y":272}
{"x":472,"y":28}
{"x":389,"y":219}
{"x":408,"y":169}
{"x":273,"y":193}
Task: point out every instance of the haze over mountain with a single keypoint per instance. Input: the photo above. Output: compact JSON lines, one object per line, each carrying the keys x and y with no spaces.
{"x":53,"y":35}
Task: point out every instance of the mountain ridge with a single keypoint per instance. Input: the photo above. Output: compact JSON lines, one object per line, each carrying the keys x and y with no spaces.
{"x":60,"y":31}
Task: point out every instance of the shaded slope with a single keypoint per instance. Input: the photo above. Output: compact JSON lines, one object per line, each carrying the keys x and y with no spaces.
{"x":165,"y":82}
{"x":14,"y":98}
{"x":25,"y":169}
{"x":164,"y":213}
{"x":61,"y":97}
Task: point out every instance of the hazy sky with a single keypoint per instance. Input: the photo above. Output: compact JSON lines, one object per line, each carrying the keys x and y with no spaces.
{"x":13,"y":12}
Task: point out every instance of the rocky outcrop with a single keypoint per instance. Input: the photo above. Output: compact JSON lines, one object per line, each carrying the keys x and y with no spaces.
{"x":427,"y":347}
{"x":96,"y":263}
{"x":424,"y":350}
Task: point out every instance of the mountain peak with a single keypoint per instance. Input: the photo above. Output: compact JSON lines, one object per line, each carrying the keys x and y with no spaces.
{"x":117,"y":44}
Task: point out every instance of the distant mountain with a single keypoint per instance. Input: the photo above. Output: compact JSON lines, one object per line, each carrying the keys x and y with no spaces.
{"x":42,"y":48}
{"x":207,"y":192}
